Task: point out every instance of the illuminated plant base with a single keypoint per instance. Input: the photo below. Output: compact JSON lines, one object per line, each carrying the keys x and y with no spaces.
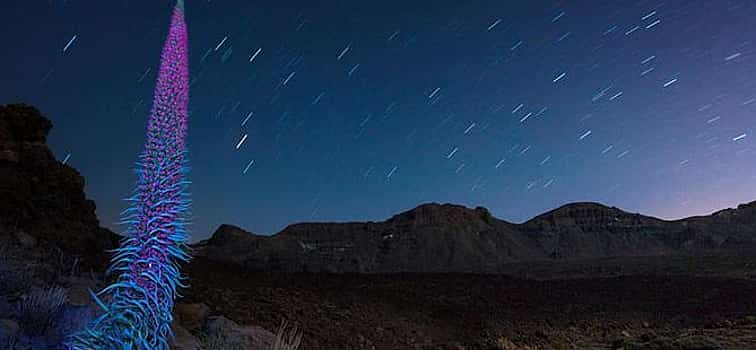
{"x":137,"y":312}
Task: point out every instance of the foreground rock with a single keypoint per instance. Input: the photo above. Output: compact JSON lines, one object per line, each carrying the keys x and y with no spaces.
{"x":195,"y":328}
{"x":224,"y":331}
{"x":452,"y":238}
{"x":191,"y":316}
{"x":183,"y":339}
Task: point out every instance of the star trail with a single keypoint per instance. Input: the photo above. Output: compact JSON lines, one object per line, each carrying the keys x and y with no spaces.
{"x":353,"y":111}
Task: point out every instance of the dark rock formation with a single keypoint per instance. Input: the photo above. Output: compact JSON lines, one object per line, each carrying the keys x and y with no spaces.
{"x":430,"y":238}
{"x":43,"y":199}
{"x":452,"y":238}
{"x":591,"y":230}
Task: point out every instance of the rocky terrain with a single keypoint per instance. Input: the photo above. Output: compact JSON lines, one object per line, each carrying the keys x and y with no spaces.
{"x":474,"y":311}
{"x":452,"y":238}
{"x":42,"y":199}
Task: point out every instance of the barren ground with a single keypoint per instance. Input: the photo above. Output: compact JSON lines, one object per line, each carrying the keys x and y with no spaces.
{"x":469,"y":311}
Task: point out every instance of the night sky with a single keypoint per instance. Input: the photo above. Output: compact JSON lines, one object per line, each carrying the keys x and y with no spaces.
{"x":357,"y":110}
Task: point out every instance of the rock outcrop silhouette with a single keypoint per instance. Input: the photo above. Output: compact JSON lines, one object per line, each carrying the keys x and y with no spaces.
{"x":42,"y":198}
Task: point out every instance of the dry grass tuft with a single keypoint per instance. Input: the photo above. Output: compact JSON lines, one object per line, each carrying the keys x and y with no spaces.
{"x":287,"y":338}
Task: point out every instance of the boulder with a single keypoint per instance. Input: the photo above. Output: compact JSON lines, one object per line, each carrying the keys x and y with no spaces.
{"x":183,"y":339}
{"x":248,"y":337}
{"x":191,"y":315}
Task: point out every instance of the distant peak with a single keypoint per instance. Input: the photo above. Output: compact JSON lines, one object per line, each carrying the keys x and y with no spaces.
{"x":583,"y":205}
{"x":573,"y":208}
{"x":436,"y":213}
{"x":228,"y":227}
{"x":433,"y":207}
{"x":227,"y":233}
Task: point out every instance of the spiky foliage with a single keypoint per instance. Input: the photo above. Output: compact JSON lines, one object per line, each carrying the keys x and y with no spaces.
{"x":137,"y":307}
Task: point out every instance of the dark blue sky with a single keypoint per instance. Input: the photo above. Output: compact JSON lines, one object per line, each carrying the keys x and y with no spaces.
{"x":362,"y":109}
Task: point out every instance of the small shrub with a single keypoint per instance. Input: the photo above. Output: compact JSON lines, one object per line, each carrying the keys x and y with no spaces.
{"x":37,"y":310}
{"x":287,"y":338}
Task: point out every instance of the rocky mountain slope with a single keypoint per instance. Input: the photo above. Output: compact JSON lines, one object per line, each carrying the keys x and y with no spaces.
{"x":431,"y":238}
{"x":452,"y":238}
{"x":43,"y":200}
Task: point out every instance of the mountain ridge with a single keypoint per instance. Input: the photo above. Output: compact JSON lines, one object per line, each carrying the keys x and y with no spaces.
{"x":434,"y":237}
